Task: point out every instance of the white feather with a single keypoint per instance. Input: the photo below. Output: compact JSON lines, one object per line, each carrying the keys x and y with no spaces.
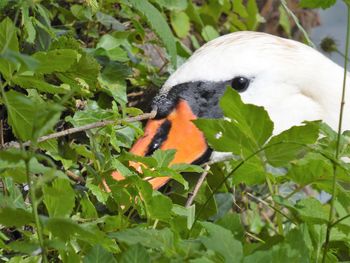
{"x":291,"y":80}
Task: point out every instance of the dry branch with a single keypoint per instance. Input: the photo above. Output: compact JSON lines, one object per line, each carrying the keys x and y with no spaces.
{"x":192,"y":195}
{"x":90,"y":126}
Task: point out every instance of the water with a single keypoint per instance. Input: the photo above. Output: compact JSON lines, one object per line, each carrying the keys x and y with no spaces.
{"x":333,"y":24}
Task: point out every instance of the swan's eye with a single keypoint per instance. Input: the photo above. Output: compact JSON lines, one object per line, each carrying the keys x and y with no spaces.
{"x":240,"y":83}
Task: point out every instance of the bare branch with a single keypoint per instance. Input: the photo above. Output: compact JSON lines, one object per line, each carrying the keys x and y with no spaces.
{"x":192,"y":195}
{"x":90,"y":126}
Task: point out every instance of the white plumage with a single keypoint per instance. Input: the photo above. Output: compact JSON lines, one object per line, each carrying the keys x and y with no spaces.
{"x":291,"y":80}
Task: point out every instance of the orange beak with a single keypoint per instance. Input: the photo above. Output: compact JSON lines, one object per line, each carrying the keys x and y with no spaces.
{"x":176,"y":131}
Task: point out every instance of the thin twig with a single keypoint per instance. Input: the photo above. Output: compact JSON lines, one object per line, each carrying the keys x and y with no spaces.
{"x":339,"y":220}
{"x":1,"y":133}
{"x":271,"y":206}
{"x":192,"y":195}
{"x":75,"y":177}
{"x":90,"y":126}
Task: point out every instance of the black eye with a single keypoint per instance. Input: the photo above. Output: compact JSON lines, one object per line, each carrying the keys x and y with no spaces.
{"x":240,"y":83}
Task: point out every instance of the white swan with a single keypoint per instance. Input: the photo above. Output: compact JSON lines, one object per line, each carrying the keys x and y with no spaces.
{"x":292,"y":81}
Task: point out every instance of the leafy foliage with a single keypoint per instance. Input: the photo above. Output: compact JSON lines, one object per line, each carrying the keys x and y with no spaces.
{"x":65,"y":64}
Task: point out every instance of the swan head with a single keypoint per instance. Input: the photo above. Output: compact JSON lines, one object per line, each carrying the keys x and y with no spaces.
{"x":292,"y":81}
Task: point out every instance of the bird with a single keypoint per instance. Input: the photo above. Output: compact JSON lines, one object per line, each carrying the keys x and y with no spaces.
{"x":292,"y":81}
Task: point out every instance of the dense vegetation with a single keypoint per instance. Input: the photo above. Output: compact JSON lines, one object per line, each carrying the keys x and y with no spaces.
{"x":67,"y":64}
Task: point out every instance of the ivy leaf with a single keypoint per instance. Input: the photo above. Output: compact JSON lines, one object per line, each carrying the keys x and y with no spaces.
{"x":59,"y":198}
{"x":324,"y":4}
{"x":159,"y":25}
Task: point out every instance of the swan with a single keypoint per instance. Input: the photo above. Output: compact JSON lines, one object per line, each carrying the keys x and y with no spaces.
{"x":291,"y":80}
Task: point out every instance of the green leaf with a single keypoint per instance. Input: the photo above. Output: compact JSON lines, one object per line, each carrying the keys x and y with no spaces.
{"x":135,"y":254}
{"x":151,"y":238}
{"x":83,"y":74}
{"x":58,"y":60}
{"x":222,"y":242}
{"x":292,"y":249}
{"x":88,"y":209}
{"x":59,"y":198}
{"x":15,"y":217}
{"x":12,"y":155}
{"x":92,"y":113}
{"x":108,"y":42}
{"x":253,"y":19}
{"x":177,"y":5}
{"x":38,"y":83}
{"x":284,"y":20}
{"x":164,"y":158}
{"x":110,"y":46}
{"x":66,"y":229}
{"x":159,"y":25}
{"x":310,"y":169}
{"x":252,"y":120}
{"x":180,"y":23}
{"x":251,"y":172}
{"x":239,"y":8}
{"x":233,"y":223}
{"x":159,"y":207}
{"x":30,"y":118}
{"x":312,"y":211}
{"x":244,"y":130}
{"x":209,"y":33}
{"x":28,"y":23}
{"x":99,"y":254}
{"x":13,"y":197}
{"x":8,"y":36}
{"x":317,"y":3}
{"x":291,"y":144}
{"x":109,"y":21}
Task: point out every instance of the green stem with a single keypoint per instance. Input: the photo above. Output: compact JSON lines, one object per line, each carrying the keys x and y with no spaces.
{"x":339,"y":220}
{"x":296,"y":21}
{"x":296,"y":190}
{"x":35,"y":211}
{"x":334,"y":182}
{"x":278,"y":215}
